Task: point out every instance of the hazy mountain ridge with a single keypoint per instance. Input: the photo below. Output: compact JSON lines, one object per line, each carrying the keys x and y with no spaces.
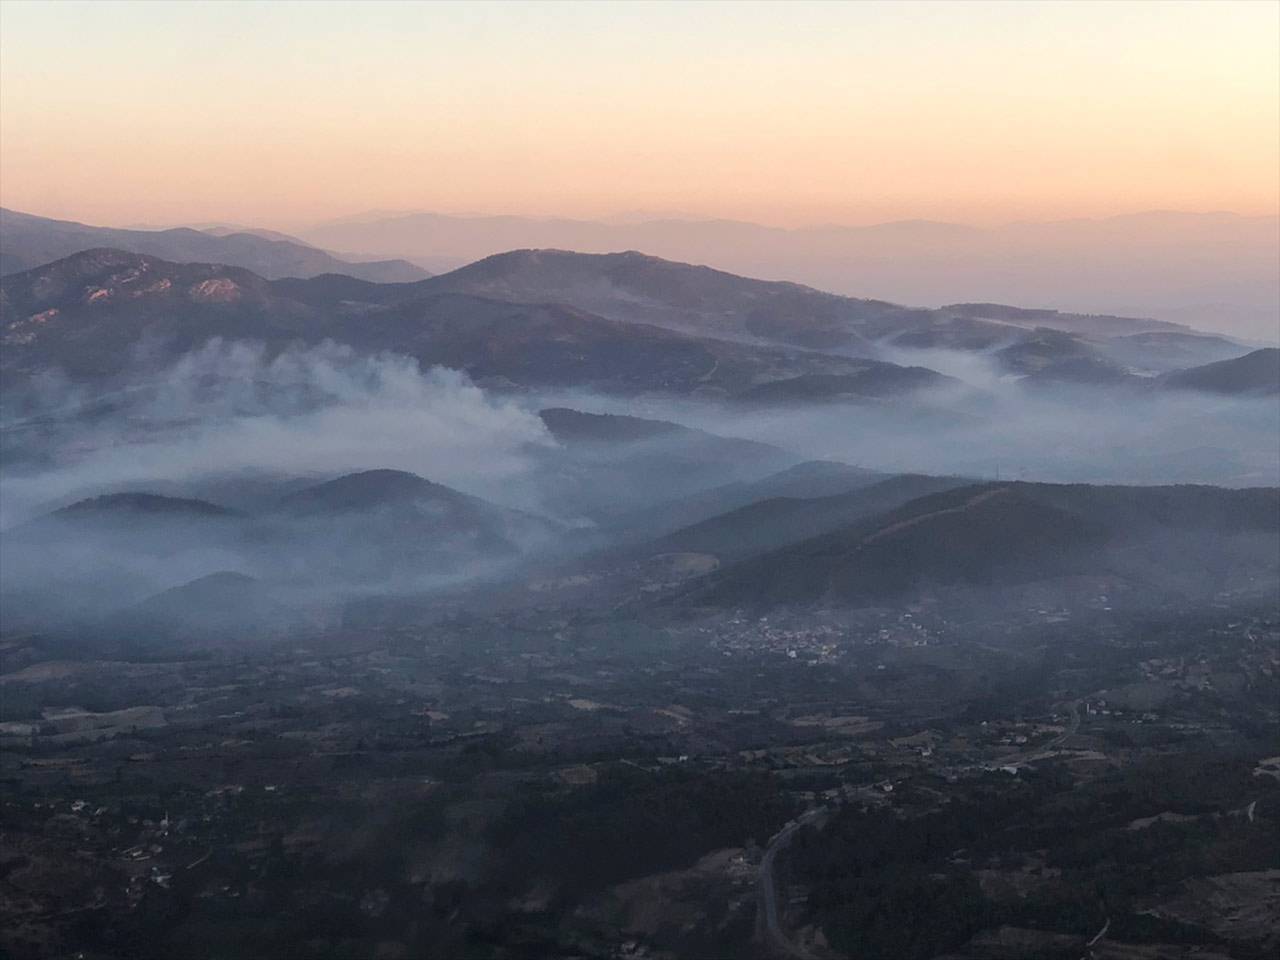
{"x":209,"y":609}
{"x":608,"y":465}
{"x":635,"y":581}
{"x":1213,"y":270}
{"x":1256,"y":373}
{"x":28,"y":241}
{"x":87,"y":315}
{"x":638,"y":287}
{"x":1001,"y":533}
{"x":578,"y":427}
{"x":807,"y":480}
{"x":143,"y":505}
{"x":375,"y":528}
{"x":774,"y":522}
{"x":635,"y":287}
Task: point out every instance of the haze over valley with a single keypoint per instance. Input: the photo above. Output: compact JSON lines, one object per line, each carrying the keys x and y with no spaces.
{"x":508,"y":585}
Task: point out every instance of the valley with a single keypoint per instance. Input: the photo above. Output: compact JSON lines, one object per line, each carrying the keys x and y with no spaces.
{"x":506,"y":783}
{"x":609,"y":607}
{"x":562,"y":480}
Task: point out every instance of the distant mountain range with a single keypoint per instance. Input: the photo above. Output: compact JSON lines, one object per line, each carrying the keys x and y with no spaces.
{"x":28,"y":241}
{"x":1210,"y":270}
{"x":639,"y":288}
{"x":621,"y":323}
{"x":87,"y":313}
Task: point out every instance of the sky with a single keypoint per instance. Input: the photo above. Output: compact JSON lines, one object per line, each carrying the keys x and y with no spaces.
{"x":281,"y":114}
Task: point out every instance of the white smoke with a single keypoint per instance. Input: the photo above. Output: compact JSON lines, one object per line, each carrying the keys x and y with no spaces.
{"x":230,"y":407}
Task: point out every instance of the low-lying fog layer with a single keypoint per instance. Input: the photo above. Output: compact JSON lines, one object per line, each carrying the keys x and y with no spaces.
{"x":1069,"y":433}
{"x":228,"y":409}
{"x":252,"y":441}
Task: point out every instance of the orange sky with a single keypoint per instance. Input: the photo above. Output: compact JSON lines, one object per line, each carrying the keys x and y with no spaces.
{"x":284,"y":113}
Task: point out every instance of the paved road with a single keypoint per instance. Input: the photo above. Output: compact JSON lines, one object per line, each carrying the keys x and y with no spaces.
{"x":775,"y":935}
{"x":1097,"y":938}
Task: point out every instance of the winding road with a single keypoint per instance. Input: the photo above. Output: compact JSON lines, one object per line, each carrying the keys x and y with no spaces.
{"x":772,"y":930}
{"x":775,"y":936}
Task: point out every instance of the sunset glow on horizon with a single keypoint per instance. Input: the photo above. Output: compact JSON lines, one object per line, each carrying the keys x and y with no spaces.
{"x":288,"y":113}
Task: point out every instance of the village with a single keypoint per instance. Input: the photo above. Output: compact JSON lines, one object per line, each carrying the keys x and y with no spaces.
{"x":132,"y":786}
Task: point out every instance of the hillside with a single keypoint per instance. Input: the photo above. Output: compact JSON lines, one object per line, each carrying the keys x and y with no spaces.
{"x":1256,"y":373}
{"x":876,"y":380}
{"x":140,"y":505}
{"x":993,"y":534}
{"x":662,"y":327}
{"x":1164,"y":351}
{"x":778,"y":521}
{"x":390,"y":525}
{"x":370,"y":490}
{"x":1193,"y":268}
{"x":635,"y":287}
{"x":136,"y":518}
{"x":28,"y":241}
{"x":576,"y":428}
{"x":371,"y":529}
{"x":225,"y":609}
{"x":609,"y":465}
{"x":98,"y":554}
{"x":86,"y":314}
{"x":807,"y":480}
